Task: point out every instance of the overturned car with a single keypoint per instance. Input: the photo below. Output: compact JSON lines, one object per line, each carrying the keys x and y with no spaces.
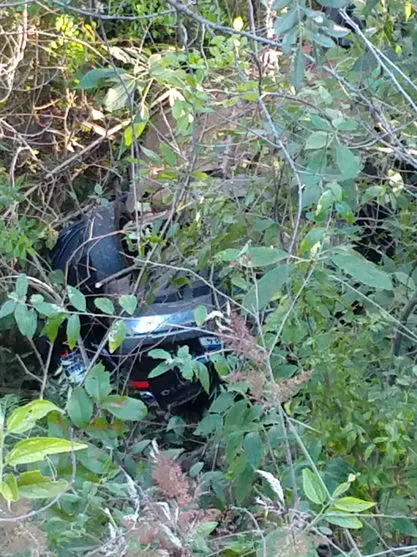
{"x":94,"y":259}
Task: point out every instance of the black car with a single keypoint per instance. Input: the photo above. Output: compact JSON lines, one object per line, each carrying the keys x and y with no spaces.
{"x":92,"y":254}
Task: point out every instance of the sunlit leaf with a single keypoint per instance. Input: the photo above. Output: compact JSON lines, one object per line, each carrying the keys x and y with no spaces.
{"x":124,"y":407}
{"x":117,"y":335}
{"x":24,"y":418}
{"x":313,"y":487}
{"x":73,"y":330}
{"x":128,"y":303}
{"x":80,"y":407}
{"x":37,"y":448}
{"x":76,"y":298}
{"x":32,"y":485}
{"x":362,"y":270}
{"x":97,"y":383}
{"x":105,"y":305}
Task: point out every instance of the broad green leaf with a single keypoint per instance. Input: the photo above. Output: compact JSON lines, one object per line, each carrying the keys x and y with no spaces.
{"x":7,"y":308}
{"x":229,"y":254}
{"x":117,"y":335}
{"x":264,"y":290}
{"x":313,"y":487}
{"x":343,"y":520}
{"x":348,"y":164}
{"x":21,"y":287}
{"x":133,"y":132}
{"x":128,"y":302}
{"x":80,"y":407}
{"x":105,"y":305}
{"x":353,"y":505}
{"x":37,"y":448}
{"x":93,"y":78}
{"x":334,"y":3}
{"x":274,"y":484}
{"x":196,"y":469}
{"x":160,"y":369}
{"x":32,"y":485}
{"x":341,"y":489}
{"x":200,"y":314}
{"x":317,"y":140}
{"x":279,"y":4}
{"x":298,"y":68}
{"x":26,"y":320}
{"x":253,"y":448}
{"x":8,"y":488}
{"x":167,"y":154}
{"x":362,"y":270}
{"x":117,"y":97}
{"x":76,"y":298}
{"x":97,"y":383}
{"x":262,"y":257}
{"x":322,"y":40}
{"x":286,"y":22}
{"x":312,"y":239}
{"x":24,"y":418}
{"x":320,"y":123}
{"x":73,"y":330}
{"x":159,"y":354}
{"x":53,"y":324}
{"x":204,"y":378}
{"x":124,"y":407}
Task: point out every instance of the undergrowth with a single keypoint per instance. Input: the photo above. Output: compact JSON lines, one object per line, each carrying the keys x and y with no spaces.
{"x":255,"y":152}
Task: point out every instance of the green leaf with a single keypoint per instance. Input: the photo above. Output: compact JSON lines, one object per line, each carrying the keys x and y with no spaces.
{"x":7,"y":308}
{"x":204,"y":378}
{"x":167,"y":154}
{"x":117,"y":97}
{"x":362,"y":270}
{"x":262,"y":257}
{"x":200,"y":314}
{"x":97,"y":383}
{"x":133,"y":132}
{"x":52,"y":325}
{"x":286,"y":22}
{"x":32,"y":485}
{"x":24,"y":418}
{"x":322,"y":40}
{"x":317,"y":140}
{"x":80,"y":407}
{"x":8,"y":488}
{"x":128,"y":302}
{"x":279,"y":4}
{"x":76,"y":298}
{"x":313,"y":487}
{"x":160,"y":369}
{"x":334,"y":3}
{"x":353,"y":505}
{"x":21,"y":287}
{"x":343,"y":520}
{"x":313,"y":238}
{"x":229,"y":254}
{"x":37,"y":448}
{"x":298,"y":68}
{"x":105,"y":305}
{"x":73,"y":330}
{"x":93,"y":78}
{"x":124,"y":407}
{"x":117,"y":335}
{"x":264,"y":289}
{"x":26,"y":320}
{"x":159,"y":354}
{"x":347,"y":163}
{"x":253,"y":448}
